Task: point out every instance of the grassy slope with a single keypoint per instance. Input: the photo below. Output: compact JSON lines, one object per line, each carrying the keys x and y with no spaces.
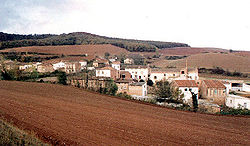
{"x":10,"y":135}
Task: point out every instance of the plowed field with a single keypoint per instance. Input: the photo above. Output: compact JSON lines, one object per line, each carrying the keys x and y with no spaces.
{"x":68,"y":115}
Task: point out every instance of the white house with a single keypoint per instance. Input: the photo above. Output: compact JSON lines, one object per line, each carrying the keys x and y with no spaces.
{"x":235,"y":101}
{"x":116,"y":65}
{"x":128,"y":61}
{"x":158,"y":75}
{"x":138,"y":72}
{"x":108,"y":72}
{"x":187,"y":87}
{"x":228,"y":86}
{"x":246,"y":87}
{"x":83,"y":64}
{"x":58,"y":65}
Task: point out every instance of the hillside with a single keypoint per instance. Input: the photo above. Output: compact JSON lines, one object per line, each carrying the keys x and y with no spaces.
{"x":229,"y":61}
{"x":91,"y":50}
{"x":64,"y":115}
{"x":82,"y":38}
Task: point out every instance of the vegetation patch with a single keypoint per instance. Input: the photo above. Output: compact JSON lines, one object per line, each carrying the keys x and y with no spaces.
{"x":10,"y":135}
{"x":174,"y":57}
{"x":221,"y":71}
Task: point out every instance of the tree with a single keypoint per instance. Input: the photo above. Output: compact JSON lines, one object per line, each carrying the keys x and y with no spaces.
{"x":150,"y":82}
{"x":195,"y":102}
{"x":162,"y":89}
{"x":106,"y":55}
{"x":62,"y":78}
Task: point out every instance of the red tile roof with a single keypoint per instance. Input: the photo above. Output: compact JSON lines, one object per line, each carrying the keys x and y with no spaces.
{"x":213,"y":84}
{"x":185,"y":83}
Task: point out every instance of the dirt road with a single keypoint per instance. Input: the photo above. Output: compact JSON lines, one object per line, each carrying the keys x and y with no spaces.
{"x":68,"y":115}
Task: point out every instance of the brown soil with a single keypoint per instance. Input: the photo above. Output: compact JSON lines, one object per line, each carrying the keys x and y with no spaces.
{"x":68,"y":115}
{"x":91,"y":50}
{"x":190,"y":50}
{"x":229,"y":62}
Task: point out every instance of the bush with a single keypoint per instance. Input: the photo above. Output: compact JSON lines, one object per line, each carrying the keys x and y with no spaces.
{"x":232,"y":111}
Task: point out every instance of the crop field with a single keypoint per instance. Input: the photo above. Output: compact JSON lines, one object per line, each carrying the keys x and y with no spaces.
{"x":72,"y":116}
{"x":229,"y":62}
{"x":91,"y":50}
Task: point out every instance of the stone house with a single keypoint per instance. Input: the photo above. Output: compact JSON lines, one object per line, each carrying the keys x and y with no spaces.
{"x":214,"y":91}
{"x":129,"y":87}
{"x":100,"y":62}
{"x":125,"y":75}
{"x":72,"y":67}
{"x":45,"y":67}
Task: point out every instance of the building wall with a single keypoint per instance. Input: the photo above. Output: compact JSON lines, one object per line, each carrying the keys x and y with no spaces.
{"x":123,"y":87}
{"x":246,"y":87}
{"x":116,"y":66}
{"x":58,"y":65}
{"x":187,"y":94}
{"x":103,"y":73}
{"x":138,"y":73}
{"x":138,"y":90}
{"x":214,"y":95}
{"x":158,"y":76}
{"x":234,"y":101}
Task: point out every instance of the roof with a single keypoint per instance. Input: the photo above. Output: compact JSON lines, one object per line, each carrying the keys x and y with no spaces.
{"x":136,"y":66}
{"x":124,"y":81}
{"x":137,"y":84}
{"x":186,"y":83}
{"x":213,"y":84}
{"x":106,"y":68}
{"x":116,"y":62}
{"x":169,"y":70}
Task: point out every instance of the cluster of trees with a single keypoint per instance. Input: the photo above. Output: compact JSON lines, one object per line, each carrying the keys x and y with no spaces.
{"x":221,"y":71}
{"x":11,"y":37}
{"x":165,"y":92}
{"x":13,"y":40}
{"x":174,"y":57}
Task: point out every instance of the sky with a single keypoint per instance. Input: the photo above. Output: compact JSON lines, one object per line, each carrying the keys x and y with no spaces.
{"x":199,"y":23}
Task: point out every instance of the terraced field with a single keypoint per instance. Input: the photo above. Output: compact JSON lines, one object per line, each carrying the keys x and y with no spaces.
{"x":67,"y":115}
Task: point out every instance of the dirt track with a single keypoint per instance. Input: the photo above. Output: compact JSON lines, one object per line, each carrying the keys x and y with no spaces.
{"x":61,"y":114}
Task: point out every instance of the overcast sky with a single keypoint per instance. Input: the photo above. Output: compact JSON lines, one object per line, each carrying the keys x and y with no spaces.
{"x":199,"y":23}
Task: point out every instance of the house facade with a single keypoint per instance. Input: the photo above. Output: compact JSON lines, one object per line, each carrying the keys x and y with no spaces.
{"x":43,"y":68}
{"x":116,"y":65}
{"x":214,"y":91}
{"x":138,"y":72}
{"x":108,"y":72}
{"x":187,"y":87}
{"x":72,"y":67}
{"x":235,"y":101}
{"x":59,"y":65}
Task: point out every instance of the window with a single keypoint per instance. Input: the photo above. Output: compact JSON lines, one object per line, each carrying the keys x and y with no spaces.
{"x":135,"y":72}
{"x":231,"y":101}
{"x":186,"y":89}
{"x":123,"y":76}
{"x":173,"y":74}
{"x":215,"y":91}
{"x":155,"y":77}
{"x":139,"y":77}
{"x":182,"y":72}
{"x":190,"y":90}
{"x":102,"y":72}
{"x":165,"y":75}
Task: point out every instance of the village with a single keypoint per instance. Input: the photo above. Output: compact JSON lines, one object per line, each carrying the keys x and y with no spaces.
{"x":139,"y":81}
